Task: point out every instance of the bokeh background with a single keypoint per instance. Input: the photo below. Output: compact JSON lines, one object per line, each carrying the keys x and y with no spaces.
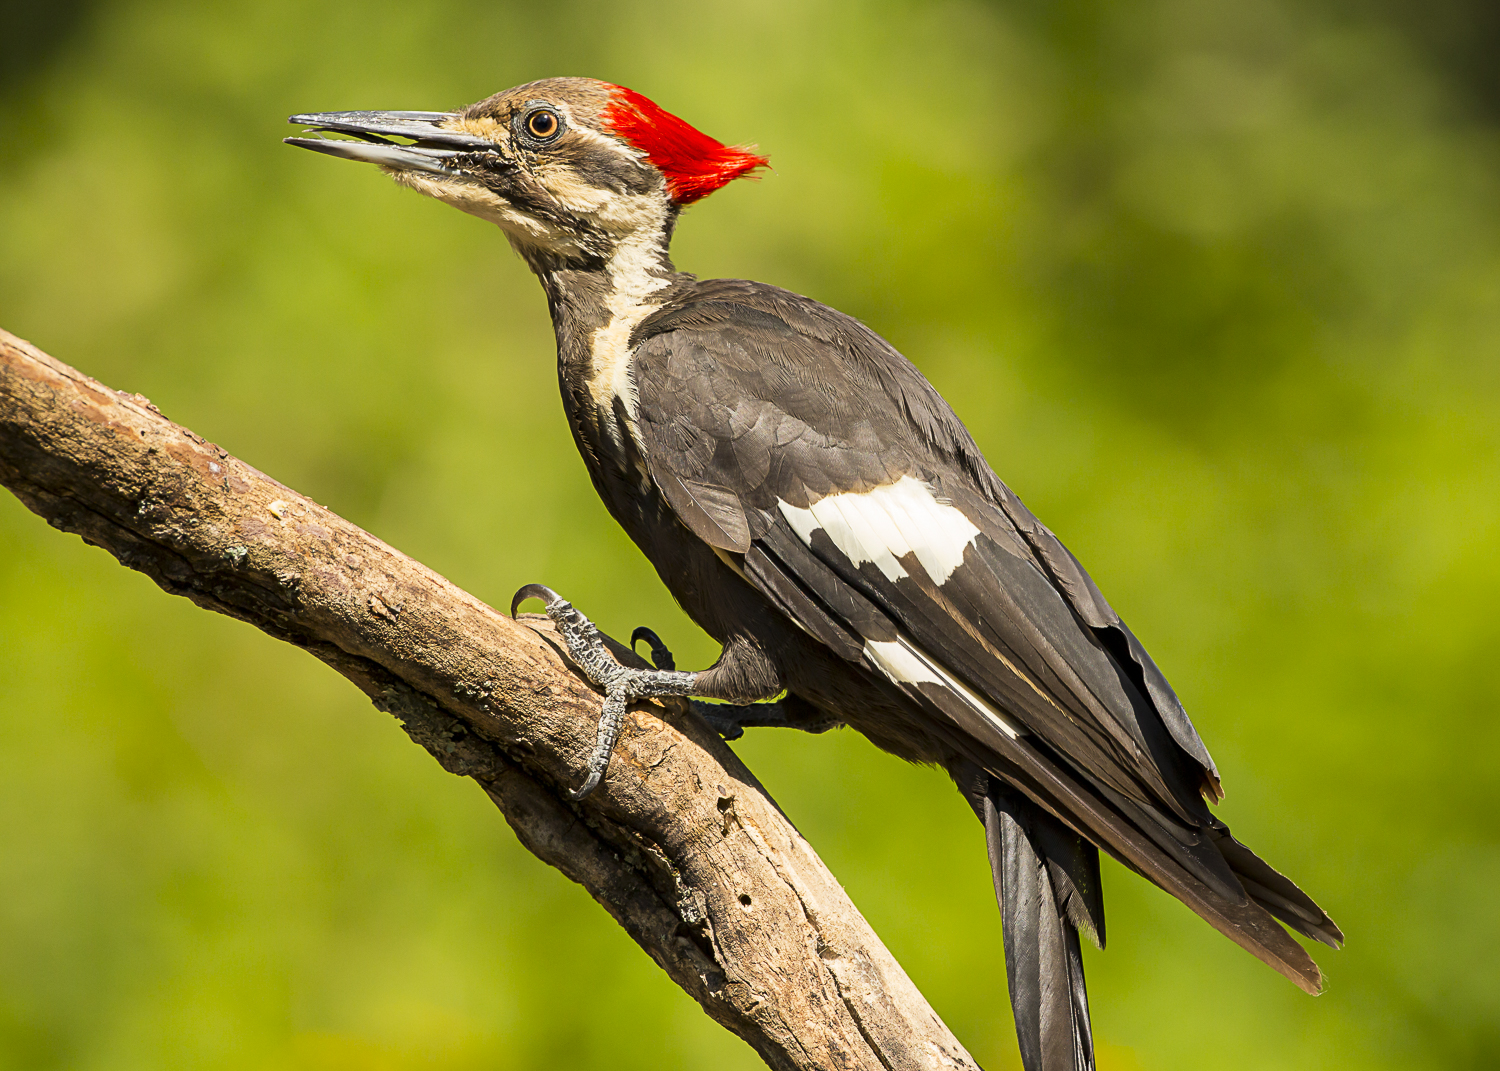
{"x":1216,"y":286}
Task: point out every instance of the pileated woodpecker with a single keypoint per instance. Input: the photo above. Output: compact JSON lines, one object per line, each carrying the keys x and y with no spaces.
{"x":819,"y":510}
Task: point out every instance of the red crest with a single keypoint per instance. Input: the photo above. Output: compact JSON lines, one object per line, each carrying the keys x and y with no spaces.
{"x":695,"y":165}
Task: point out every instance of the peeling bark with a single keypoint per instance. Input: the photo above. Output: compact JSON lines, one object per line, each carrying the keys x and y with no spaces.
{"x":681,"y":844}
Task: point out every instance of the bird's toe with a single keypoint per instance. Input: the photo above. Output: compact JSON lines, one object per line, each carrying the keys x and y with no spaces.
{"x":534,"y":591}
{"x":661,"y":657}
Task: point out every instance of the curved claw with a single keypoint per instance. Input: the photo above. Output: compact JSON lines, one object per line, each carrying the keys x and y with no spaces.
{"x":533,"y":591}
{"x":661,"y":657}
{"x":644,"y":633}
{"x":592,"y":783}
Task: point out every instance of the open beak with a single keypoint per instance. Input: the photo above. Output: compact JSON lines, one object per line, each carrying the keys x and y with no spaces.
{"x":431,"y":147}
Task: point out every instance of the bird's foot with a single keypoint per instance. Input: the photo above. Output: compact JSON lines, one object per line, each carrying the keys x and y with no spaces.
{"x":730,"y":720}
{"x":622,"y":684}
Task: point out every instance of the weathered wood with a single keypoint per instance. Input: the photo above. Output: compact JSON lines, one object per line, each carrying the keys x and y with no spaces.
{"x":681,"y":845}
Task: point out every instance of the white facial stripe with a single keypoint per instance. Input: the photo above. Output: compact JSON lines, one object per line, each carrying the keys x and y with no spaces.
{"x":617,"y":215}
{"x":474,"y":199}
{"x":905,"y":663}
{"x":888,"y":523}
{"x":604,"y":141}
{"x":571,"y":191}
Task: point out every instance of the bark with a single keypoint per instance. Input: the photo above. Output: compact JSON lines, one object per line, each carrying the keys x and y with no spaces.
{"x":681,"y":845}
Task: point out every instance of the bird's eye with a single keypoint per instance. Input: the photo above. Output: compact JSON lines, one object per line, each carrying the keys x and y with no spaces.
{"x":542,"y":124}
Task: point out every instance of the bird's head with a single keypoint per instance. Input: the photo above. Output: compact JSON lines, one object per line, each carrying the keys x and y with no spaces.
{"x":570,"y":168}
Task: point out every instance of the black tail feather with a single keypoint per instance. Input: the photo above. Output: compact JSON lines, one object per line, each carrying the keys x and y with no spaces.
{"x":1047,"y":881}
{"x":1277,"y":893}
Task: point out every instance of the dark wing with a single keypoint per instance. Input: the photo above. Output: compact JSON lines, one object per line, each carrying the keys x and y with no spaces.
{"x":783,"y":431}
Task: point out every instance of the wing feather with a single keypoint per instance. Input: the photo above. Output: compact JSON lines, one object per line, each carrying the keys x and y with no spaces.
{"x":865,"y":513}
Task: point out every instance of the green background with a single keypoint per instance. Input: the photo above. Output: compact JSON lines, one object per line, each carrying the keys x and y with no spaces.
{"x":1216,"y":286}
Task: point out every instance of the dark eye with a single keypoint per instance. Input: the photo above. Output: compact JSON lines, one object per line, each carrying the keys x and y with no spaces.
{"x":542,"y":124}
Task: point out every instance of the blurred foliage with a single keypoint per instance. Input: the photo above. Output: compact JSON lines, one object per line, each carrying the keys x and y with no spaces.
{"x":1217,"y":287}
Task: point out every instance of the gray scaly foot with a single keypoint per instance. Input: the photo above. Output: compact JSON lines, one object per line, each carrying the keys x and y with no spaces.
{"x":730,"y":720}
{"x":622,"y":685}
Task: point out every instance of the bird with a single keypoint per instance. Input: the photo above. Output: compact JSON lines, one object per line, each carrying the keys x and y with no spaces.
{"x":817,"y":508}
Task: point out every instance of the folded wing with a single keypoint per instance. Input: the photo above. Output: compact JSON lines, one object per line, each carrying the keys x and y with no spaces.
{"x":787,"y":434}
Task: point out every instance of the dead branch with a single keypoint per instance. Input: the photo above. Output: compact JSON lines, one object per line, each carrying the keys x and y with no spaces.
{"x":682,"y":846}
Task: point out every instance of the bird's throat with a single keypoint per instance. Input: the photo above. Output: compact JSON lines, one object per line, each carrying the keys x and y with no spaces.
{"x":595,"y":308}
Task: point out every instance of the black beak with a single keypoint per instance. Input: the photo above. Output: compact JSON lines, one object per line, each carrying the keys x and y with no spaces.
{"x":432,"y":148}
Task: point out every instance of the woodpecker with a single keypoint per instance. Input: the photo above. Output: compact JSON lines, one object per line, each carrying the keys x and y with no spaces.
{"x":821,"y":512}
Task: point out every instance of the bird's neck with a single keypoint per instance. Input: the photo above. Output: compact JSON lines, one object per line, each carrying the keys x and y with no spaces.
{"x":588,"y":291}
{"x":595,"y":304}
{"x":586,"y":294}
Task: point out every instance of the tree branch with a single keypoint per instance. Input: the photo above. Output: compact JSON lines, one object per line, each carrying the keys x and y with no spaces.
{"x":681,"y":845}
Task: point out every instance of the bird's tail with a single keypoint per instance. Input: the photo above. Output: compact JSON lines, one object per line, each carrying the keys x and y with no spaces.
{"x":1047,"y":881}
{"x":1275,"y":892}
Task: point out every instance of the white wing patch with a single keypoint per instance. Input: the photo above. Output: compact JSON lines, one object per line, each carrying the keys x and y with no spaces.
{"x":905,"y":663}
{"x":888,"y":523}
